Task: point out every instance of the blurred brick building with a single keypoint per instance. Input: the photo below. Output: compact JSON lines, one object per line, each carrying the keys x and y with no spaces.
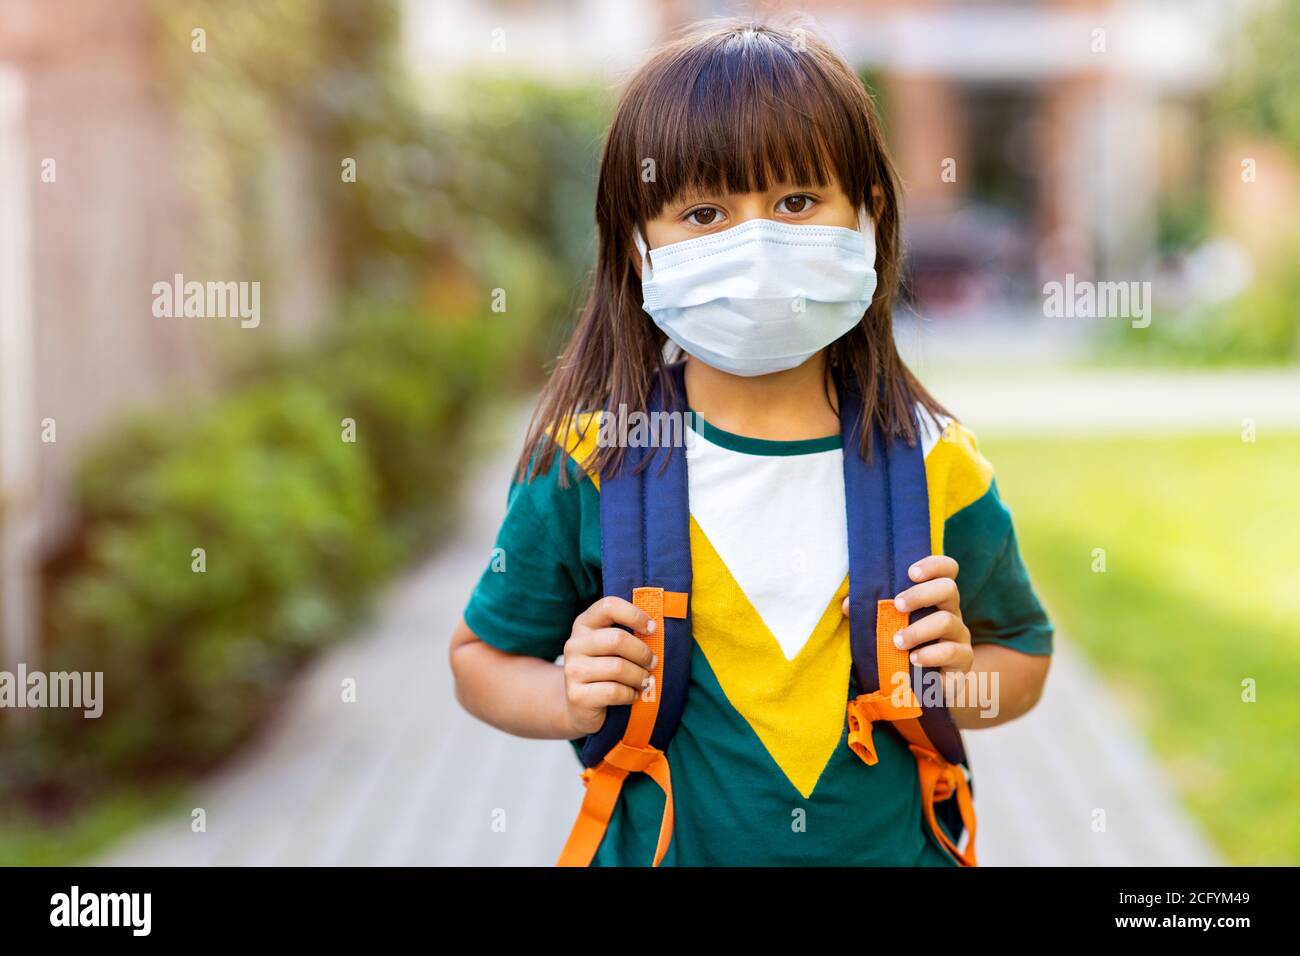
{"x":1046,"y":115}
{"x":1051,"y":114}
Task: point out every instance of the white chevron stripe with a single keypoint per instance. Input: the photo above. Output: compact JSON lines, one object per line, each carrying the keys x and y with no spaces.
{"x":778,"y":523}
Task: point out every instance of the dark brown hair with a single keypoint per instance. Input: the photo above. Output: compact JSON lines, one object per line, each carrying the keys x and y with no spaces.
{"x":729,"y":108}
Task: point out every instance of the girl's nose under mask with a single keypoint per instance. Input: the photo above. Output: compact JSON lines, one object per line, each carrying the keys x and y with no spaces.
{"x":763,"y":296}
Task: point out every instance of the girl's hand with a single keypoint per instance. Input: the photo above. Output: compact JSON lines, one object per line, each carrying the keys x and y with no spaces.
{"x":604,"y":665}
{"x":936,"y":586}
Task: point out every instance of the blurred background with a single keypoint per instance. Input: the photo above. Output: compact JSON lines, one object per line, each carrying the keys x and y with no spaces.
{"x":269,"y":589}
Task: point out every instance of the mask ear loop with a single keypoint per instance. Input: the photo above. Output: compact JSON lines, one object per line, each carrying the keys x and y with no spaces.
{"x":867,"y":226}
{"x":641,"y":247}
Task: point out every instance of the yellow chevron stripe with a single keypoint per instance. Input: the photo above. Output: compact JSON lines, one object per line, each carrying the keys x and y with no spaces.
{"x":796,"y":708}
{"x":578,"y":437}
{"x":956,"y":475}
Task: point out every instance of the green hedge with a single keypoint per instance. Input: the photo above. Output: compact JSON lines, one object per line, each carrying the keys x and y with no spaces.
{"x":288,"y":516}
{"x":297,"y":525}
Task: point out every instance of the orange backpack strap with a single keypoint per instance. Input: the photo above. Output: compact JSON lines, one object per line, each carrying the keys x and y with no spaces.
{"x":632,"y":754}
{"x":895,"y":702}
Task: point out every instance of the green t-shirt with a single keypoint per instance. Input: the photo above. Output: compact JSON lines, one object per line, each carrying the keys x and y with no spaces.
{"x":761,"y":771}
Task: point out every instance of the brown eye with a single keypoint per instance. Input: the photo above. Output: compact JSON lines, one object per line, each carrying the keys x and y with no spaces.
{"x":793,"y":205}
{"x":704,"y":216}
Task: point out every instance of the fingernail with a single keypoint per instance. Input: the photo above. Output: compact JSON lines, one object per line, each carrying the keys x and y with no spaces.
{"x":650,"y":628}
{"x":914,"y":571}
{"x":654,"y":661}
{"x":898,"y":639}
{"x":912,"y":657}
{"x":900,"y":604}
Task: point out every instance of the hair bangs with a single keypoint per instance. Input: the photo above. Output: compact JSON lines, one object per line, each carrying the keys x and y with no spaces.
{"x":747,"y":110}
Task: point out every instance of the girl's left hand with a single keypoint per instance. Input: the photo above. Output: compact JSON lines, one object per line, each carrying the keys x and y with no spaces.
{"x":936,"y":586}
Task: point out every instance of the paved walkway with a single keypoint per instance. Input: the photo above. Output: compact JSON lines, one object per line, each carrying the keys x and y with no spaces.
{"x":404,"y":776}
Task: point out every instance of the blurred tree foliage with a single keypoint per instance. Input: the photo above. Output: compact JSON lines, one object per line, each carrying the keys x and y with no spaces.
{"x":1262,"y":91}
{"x":316,"y":73}
{"x":502,"y":170}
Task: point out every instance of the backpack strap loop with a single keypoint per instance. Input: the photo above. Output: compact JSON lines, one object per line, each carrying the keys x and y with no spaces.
{"x":893,"y":700}
{"x":634,"y":752}
{"x":940,"y":780}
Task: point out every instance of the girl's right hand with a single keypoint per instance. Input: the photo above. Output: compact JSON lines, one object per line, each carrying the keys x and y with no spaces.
{"x":605,"y":666}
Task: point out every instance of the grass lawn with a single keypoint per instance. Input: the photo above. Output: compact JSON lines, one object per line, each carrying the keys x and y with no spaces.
{"x":1201,"y":592}
{"x":28,"y":842}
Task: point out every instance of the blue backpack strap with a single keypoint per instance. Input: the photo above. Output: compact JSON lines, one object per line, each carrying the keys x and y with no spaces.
{"x":646,"y":559}
{"x":888,"y":511}
{"x":645,"y":540}
{"x":909,"y":500}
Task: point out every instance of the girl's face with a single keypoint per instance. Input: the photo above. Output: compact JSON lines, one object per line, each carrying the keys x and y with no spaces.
{"x":689,"y":215}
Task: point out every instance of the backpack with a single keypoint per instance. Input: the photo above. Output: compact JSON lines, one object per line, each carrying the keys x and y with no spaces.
{"x":646,"y":558}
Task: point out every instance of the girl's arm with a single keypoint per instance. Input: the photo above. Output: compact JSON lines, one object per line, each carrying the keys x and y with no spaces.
{"x":521,"y":695}
{"x":1014,"y":681}
{"x":527,"y":696}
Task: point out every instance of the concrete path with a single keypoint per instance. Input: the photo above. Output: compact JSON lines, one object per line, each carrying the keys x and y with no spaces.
{"x":404,"y":776}
{"x":1121,"y":401}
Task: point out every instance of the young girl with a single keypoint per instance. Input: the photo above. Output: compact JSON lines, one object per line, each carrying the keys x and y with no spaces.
{"x":748,"y":227}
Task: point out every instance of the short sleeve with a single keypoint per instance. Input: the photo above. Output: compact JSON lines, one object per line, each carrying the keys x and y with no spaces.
{"x":536,"y":580}
{"x":971,"y":524}
{"x":998,"y":600}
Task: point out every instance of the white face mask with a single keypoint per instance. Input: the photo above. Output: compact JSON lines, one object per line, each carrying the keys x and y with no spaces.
{"x":763,"y":296}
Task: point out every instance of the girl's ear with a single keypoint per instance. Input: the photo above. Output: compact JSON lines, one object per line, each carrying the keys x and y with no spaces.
{"x":877,"y":202}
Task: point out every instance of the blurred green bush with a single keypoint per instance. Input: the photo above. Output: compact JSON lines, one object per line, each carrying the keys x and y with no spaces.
{"x":297,"y":524}
{"x":287,"y":516}
{"x":1259,"y":327}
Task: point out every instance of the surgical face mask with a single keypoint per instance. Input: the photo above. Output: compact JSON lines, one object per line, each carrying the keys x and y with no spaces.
{"x":763,"y":296}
